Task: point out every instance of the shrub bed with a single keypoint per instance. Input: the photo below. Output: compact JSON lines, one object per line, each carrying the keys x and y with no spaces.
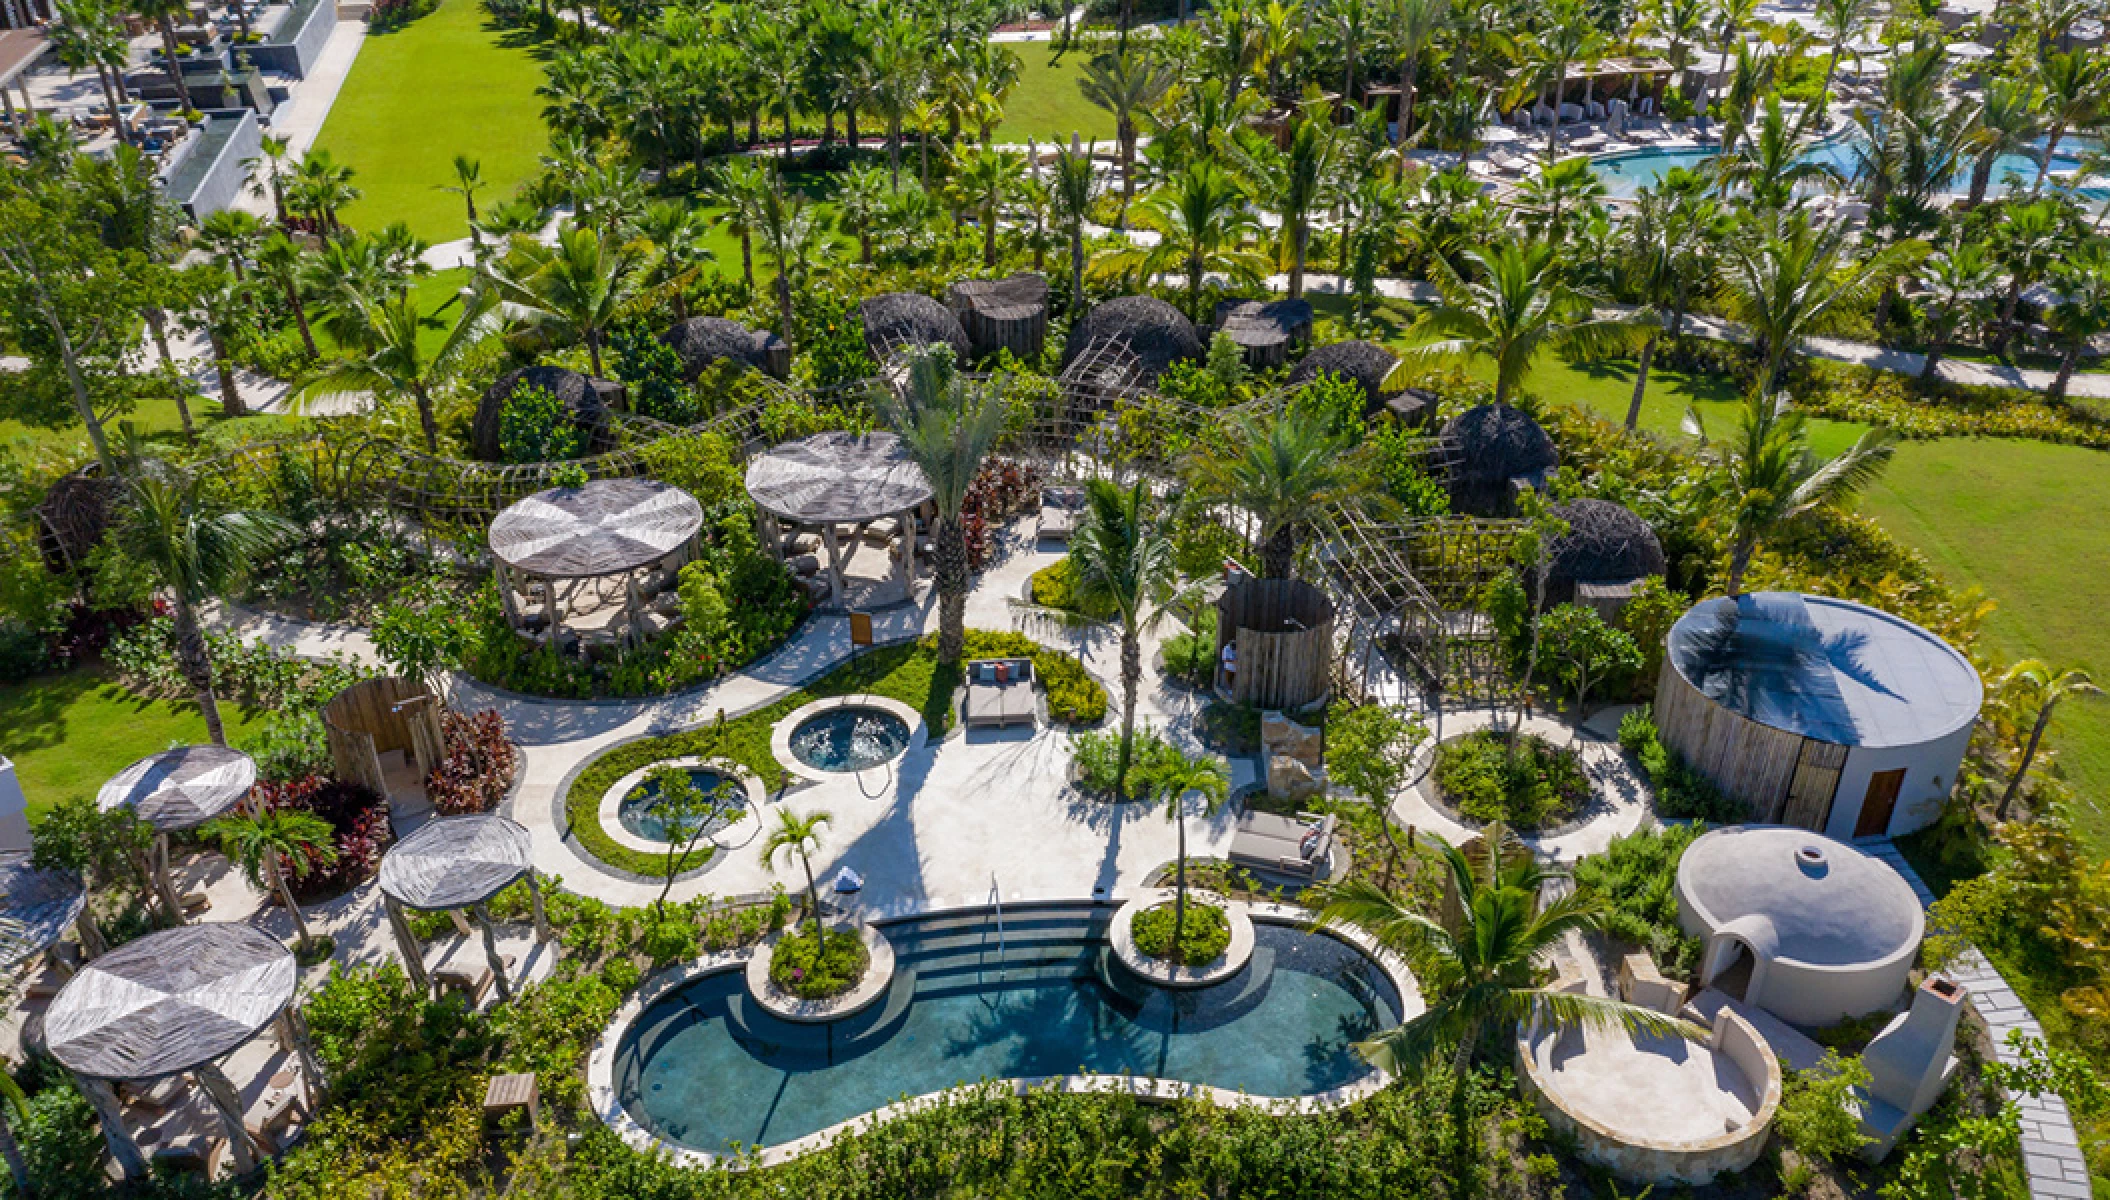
{"x":1541,"y":785}
{"x":1204,"y":936}
{"x":814,"y":968}
{"x":1637,"y":879}
{"x":478,"y":766}
{"x":1056,"y":587}
{"x":360,"y":819}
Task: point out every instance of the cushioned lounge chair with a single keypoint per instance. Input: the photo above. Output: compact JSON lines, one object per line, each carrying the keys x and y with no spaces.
{"x":1000,"y":693}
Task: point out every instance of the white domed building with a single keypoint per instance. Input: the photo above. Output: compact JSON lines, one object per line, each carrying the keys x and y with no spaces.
{"x":1804,"y":926}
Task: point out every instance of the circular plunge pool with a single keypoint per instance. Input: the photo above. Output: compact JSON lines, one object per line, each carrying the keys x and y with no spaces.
{"x":702,"y":1067}
{"x":639,"y":811}
{"x":851,"y":738}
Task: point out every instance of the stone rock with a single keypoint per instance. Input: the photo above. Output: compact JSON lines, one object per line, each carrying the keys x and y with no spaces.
{"x":1291,"y":780}
{"x":1280,"y":735}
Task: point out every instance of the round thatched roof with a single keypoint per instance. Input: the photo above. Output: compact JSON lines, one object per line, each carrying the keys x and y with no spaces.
{"x":76,"y":512}
{"x":702,"y":341}
{"x":35,"y":906}
{"x":1366,"y":363}
{"x":574,"y":390}
{"x":837,"y":477}
{"x":1158,"y":334}
{"x":182,"y":788}
{"x":170,"y":1001}
{"x":455,"y":862}
{"x":603,"y":528}
{"x":899,"y":321}
{"x":1497,"y":445}
{"x":1605,"y":543}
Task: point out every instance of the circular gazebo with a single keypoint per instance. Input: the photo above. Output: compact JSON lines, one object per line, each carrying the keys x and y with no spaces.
{"x":571,"y":547}
{"x":177,"y":790}
{"x":837,"y":480}
{"x":170,"y":1003}
{"x":455,"y":863}
{"x":37,"y":906}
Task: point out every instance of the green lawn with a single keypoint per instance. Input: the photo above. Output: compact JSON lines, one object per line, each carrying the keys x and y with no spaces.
{"x":2023,"y":521}
{"x":67,"y":734}
{"x":1046,"y":105}
{"x":443,"y":85}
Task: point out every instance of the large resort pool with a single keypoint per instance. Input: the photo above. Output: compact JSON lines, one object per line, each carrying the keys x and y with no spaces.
{"x":702,"y":1067}
{"x":1626,"y":175}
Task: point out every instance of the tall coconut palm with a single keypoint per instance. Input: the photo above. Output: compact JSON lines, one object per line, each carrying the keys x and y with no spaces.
{"x":985,"y":179}
{"x":2076,"y":89}
{"x":197,"y":550}
{"x":1072,"y":189}
{"x":1293,"y":182}
{"x":468,"y":180}
{"x":281,"y":260}
{"x":1515,"y":306}
{"x":1125,"y":84}
{"x":1177,"y":775}
{"x":1955,"y":275}
{"x":1566,"y":35}
{"x":1774,"y":163}
{"x":2083,"y":311}
{"x":2009,"y":121}
{"x":1842,"y":21}
{"x":1682,"y":24}
{"x":1788,"y":278}
{"x":1121,"y":557}
{"x":1288,"y":471}
{"x":1773,"y":477}
{"x":395,"y":364}
{"x":948,"y":423}
{"x":797,"y":836}
{"x":575,"y":290}
{"x":792,"y":232}
{"x":2036,"y":684}
{"x":1412,"y":27}
{"x":163,"y":14}
{"x":1203,"y":220}
{"x":268,"y":845}
{"x":1675,"y":228}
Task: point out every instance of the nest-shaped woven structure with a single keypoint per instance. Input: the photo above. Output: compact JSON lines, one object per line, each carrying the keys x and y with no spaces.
{"x":1499,"y":449}
{"x":1157,"y":334}
{"x":898,"y":321}
{"x":1606,"y":544}
{"x":586,"y":402}
{"x":75,"y":514}
{"x":701,"y":341}
{"x":1267,"y":330}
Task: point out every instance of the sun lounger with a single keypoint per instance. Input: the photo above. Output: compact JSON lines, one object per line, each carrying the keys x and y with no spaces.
{"x":999,"y":693}
{"x":1301,"y":847}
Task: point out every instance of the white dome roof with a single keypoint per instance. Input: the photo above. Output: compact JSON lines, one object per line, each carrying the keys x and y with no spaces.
{"x":1815,"y":900}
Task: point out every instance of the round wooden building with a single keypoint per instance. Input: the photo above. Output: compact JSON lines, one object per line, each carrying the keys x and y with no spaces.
{"x":1274,"y":643}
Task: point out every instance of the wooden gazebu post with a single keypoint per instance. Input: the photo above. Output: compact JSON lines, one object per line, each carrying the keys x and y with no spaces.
{"x":178,"y":790}
{"x":834,"y":479}
{"x":166,"y":1004}
{"x":455,"y":863}
{"x":606,"y":528}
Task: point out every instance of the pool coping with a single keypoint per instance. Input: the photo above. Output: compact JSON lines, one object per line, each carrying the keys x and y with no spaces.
{"x":878,"y":977}
{"x":600,"y":1064}
{"x":780,"y":733}
{"x":610,"y":814}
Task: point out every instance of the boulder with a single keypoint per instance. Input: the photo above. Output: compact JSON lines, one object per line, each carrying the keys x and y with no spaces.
{"x":1282,"y":736}
{"x":1292,"y":780}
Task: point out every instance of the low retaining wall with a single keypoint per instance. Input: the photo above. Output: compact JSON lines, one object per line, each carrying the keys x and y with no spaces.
{"x":297,"y":42}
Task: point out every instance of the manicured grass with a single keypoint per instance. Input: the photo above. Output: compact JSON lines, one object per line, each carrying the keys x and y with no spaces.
{"x":68,"y":734}
{"x":446,"y":84}
{"x":2024,"y":522}
{"x":1046,"y":105}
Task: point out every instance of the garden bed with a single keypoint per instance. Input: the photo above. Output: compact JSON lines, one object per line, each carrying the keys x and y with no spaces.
{"x":814,"y":968}
{"x":1477,"y":783}
{"x":1205,"y":936}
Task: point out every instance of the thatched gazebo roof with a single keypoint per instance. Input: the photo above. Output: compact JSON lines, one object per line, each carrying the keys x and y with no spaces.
{"x":454,"y":862}
{"x":1158,"y":334}
{"x":580,"y":397}
{"x":701,"y":341}
{"x":35,"y":907}
{"x":604,"y":528}
{"x":899,"y":321}
{"x":1362,"y":362}
{"x":1605,"y":543}
{"x":1498,"y":449}
{"x":837,"y":478}
{"x":170,"y":1001}
{"x":181,"y":789}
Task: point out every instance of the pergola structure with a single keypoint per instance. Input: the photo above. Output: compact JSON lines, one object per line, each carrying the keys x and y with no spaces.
{"x":37,"y":906}
{"x":170,"y":1003}
{"x":831,"y":480}
{"x":568,"y":539}
{"x":455,"y":863}
{"x":177,"y":790}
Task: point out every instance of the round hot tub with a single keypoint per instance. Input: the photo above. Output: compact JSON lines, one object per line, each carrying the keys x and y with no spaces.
{"x":850,"y":738}
{"x":638,"y":811}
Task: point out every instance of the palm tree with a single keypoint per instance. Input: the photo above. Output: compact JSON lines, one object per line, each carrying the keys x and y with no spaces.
{"x":2083,"y":310}
{"x":742,"y":185}
{"x":1515,"y":306}
{"x":270,"y":160}
{"x":985,"y":178}
{"x":1681,"y":23}
{"x":1955,"y":277}
{"x":1773,"y":477}
{"x":1413,"y":26}
{"x":2028,"y":239}
{"x":468,"y":180}
{"x":1675,"y":227}
{"x":2009,"y":122}
{"x":862,"y":199}
{"x":948,"y":423}
{"x":321,"y":188}
{"x":396,"y":364}
{"x":2034,"y":683}
{"x":2076,"y":88}
{"x":1566,"y":189}
{"x":1176,"y":775}
{"x":1730,"y":16}
{"x":1288,"y":473}
{"x":1788,"y":279}
{"x":1121,"y":557}
{"x":281,"y":260}
{"x":1293,"y":181}
{"x":678,"y":235}
{"x":800,"y":836}
{"x":267,"y":844}
{"x":1125,"y":84}
{"x":163,"y":13}
{"x":778,"y":52}
{"x":1203,"y":220}
{"x":1775,"y":163}
{"x":792,"y":231}
{"x":1843,"y":21}
{"x":84,"y":35}
{"x":197,"y":550}
{"x":1072,"y":190}
{"x":900,"y":70}
{"x":577,"y":289}
{"x":1565,"y":36}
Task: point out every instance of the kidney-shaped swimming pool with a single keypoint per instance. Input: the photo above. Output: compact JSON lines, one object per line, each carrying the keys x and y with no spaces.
{"x":704,"y":1068}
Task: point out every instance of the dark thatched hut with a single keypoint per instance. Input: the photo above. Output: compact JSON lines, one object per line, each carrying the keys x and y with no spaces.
{"x":900,"y":321}
{"x":1499,"y":449}
{"x":1157,"y":334}
{"x":1265,"y":331}
{"x":1368,"y":365}
{"x":587,"y":400}
{"x":1605,"y":554}
{"x":702,"y":341}
{"x":75,"y":514}
{"x":1003,"y":314}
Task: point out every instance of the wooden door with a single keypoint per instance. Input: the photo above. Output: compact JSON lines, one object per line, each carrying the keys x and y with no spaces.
{"x":1876,"y":805}
{"x":1811,"y":788}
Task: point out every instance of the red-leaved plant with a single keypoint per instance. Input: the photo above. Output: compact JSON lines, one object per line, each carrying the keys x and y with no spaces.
{"x":360,"y":819}
{"x":478,"y":765}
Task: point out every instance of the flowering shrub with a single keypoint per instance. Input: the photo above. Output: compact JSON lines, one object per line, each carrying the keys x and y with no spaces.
{"x":1002,"y":489}
{"x":477,"y":767}
{"x":360,"y":819}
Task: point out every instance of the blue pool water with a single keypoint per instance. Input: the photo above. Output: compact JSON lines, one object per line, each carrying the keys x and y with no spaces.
{"x":639,"y":810}
{"x":1626,"y":175}
{"x":704,"y":1068}
{"x":849,"y":739}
